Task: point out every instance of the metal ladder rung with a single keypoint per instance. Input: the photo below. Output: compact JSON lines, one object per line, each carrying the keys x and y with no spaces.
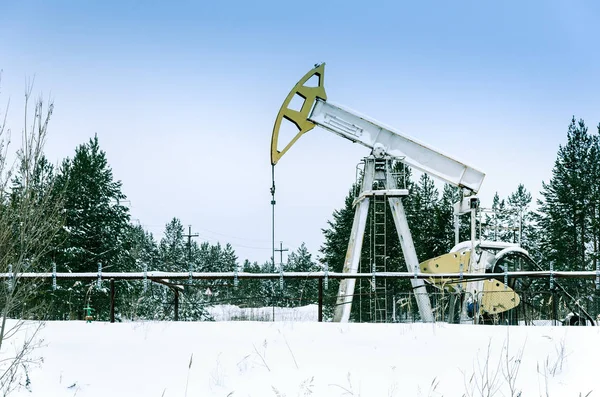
{"x":379,"y":221}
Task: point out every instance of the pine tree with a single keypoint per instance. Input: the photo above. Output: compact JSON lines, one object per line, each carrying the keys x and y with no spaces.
{"x":229,"y":260}
{"x":500,"y":227}
{"x":424,"y":227}
{"x":444,"y":233}
{"x":172,"y":248}
{"x":95,"y":229}
{"x":522,"y":221}
{"x":213,"y":258}
{"x":302,"y":291}
{"x":140,"y":299}
{"x":251,"y":292}
{"x":337,"y":235}
{"x":176,"y":255}
{"x":227,"y":263}
{"x":565,"y":204}
{"x":594,"y":205}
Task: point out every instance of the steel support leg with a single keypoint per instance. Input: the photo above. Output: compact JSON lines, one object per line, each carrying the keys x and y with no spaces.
{"x":410,"y":257}
{"x":346,"y":291}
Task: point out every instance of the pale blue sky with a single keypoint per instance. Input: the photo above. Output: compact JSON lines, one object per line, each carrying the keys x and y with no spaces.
{"x":183,"y":96}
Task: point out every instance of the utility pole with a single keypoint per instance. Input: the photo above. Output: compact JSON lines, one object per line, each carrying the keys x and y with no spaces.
{"x":280,"y":250}
{"x":189,"y":244}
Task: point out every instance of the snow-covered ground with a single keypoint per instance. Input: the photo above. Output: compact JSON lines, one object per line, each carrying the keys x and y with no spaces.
{"x":235,"y":313}
{"x":303,"y":358}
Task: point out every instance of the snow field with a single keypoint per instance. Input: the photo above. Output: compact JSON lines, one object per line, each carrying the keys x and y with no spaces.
{"x":309,"y":358}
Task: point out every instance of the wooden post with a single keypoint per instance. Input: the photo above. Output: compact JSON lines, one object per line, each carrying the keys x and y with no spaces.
{"x":320,"y":300}
{"x":112,"y":300}
{"x":176,"y":304}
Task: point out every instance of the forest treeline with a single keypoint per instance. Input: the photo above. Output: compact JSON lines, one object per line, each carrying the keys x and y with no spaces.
{"x":80,"y":206}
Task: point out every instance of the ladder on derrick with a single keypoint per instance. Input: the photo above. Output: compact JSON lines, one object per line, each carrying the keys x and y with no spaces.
{"x":379,"y":189}
{"x":378,"y":301}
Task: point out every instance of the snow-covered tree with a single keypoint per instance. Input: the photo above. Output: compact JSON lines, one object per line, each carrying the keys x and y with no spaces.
{"x":95,"y":230}
{"x":301,"y":291}
{"x":172,"y":248}
{"x":565,"y":205}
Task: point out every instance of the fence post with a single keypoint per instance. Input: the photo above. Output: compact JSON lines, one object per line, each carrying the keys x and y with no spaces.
{"x":176,"y":304}
{"x":112,"y":300}
{"x":597,"y":294}
{"x":554,"y":308}
{"x":320,"y":300}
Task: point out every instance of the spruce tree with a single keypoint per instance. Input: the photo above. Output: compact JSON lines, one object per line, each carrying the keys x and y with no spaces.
{"x":172,"y":248}
{"x":252,"y":292}
{"x":176,"y":255}
{"x":337,"y":235}
{"x":495,"y":222}
{"x":565,"y":204}
{"x":140,"y":299}
{"x":96,"y":224}
{"x":444,"y":233}
{"x":227,"y":262}
{"x":523,"y":222}
{"x":301,"y":291}
{"x":594,"y":205}
{"x":424,"y":226}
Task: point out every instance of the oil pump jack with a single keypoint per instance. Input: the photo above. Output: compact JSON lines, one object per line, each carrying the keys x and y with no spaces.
{"x":379,"y":185}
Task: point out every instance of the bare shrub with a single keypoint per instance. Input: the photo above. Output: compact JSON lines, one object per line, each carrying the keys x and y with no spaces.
{"x":511,"y":366}
{"x":30,"y":219}
{"x":486,"y":380}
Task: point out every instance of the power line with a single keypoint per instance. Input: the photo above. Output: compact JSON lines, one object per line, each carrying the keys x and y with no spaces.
{"x":233,"y":245}
{"x":234,"y":237}
{"x":150,"y":226}
{"x":215,"y":239}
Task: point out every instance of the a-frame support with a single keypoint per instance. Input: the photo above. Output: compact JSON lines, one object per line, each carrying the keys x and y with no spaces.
{"x":351,"y":262}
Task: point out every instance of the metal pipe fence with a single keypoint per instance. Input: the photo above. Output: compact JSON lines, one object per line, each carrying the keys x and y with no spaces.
{"x":311,"y":296}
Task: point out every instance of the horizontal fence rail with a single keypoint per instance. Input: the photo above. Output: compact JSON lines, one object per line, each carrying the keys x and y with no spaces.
{"x":152,"y":275}
{"x":551,"y":305}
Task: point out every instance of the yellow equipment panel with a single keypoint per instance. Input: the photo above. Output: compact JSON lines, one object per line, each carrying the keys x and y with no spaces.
{"x":498,"y":298}
{"x":447,"y":263}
